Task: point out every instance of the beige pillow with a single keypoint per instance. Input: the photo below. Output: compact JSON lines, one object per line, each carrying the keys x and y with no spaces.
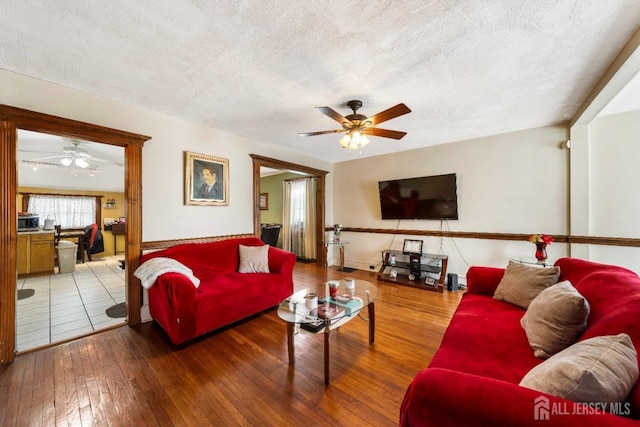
{"x":555,"y":319}
{"x":522,"y":283}
{"x":600,"y":369}
{"x":254,"y":259}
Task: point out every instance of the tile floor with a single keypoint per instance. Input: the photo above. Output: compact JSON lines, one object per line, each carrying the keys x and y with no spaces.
{"x":69,"y":305}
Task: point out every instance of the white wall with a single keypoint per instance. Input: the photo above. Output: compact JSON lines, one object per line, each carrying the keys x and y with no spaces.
{"x":164,"y":214}
{"x":614,"y":191}
{"x":511,"y":183}
{"x":614,"y":151}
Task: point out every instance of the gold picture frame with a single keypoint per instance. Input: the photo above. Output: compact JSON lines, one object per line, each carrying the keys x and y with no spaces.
{"x":264,"y":201}
{"x":206,"y":180}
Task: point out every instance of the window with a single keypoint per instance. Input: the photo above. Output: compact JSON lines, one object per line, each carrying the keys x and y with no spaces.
{"x":299,"y":221}
{"x":68,"y":211}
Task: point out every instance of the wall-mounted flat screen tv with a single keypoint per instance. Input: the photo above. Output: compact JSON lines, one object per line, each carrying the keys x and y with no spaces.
{"x":427,"y":197}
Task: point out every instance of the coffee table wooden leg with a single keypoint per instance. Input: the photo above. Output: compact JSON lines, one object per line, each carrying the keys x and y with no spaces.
{"x":326,"y":256}
{"x":326,"y":355}
{"x":292,"y":356}
{"x":372,"y":322}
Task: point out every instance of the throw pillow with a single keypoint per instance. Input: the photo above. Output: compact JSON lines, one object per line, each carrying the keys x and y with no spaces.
{"x":555,"y":319}
{"x":522,"y":283}
{"x":254,"y":259}
{"x":599,"y":369}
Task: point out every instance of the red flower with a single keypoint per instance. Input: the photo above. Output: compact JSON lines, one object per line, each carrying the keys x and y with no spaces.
{"x":541,"y":238}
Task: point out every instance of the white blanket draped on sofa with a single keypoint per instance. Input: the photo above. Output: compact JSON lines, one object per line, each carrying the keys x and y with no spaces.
{"x":150,"y":270}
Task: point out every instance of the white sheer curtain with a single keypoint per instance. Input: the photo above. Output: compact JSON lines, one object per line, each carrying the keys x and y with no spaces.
{"x":68,"y":211}
{"x":299,"y":217}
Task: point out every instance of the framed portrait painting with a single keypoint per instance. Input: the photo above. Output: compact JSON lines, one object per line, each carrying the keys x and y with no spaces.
{"x":206,"y":180}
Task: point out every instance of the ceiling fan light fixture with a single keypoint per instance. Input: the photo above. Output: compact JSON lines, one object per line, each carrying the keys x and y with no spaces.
{"x":345,"y":141}
{"x":354,"y":140}
{"x":66,"y":161}
{"x":82,"y":163}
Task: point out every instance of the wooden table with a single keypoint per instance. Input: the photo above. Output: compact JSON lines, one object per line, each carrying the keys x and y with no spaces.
{"x":297,"y":315}
{"x":116,"y":230}
{"x":340,"y":245}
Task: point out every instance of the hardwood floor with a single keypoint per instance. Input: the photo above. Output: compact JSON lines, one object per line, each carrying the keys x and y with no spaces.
{"x":236,"y":376}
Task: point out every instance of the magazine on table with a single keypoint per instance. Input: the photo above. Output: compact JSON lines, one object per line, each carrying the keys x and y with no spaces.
{"x":350,"y":304}
{"x":327,"y":310}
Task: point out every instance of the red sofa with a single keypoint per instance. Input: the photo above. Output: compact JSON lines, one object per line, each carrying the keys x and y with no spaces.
{"x":473,"y":377}
{"x":224,"y":296}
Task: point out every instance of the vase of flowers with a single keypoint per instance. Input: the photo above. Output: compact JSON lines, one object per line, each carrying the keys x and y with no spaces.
{"x":541,"y":241}
{"x":337,"y":229}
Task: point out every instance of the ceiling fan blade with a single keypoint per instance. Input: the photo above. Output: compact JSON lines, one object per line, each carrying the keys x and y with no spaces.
{"x":388,"y":114}
{"x":39,"y":163}
{"x":92,"y":169}
{"x":385,"y":133}
{"x":57,"y":156}
{"x":38,"y":151}
{"x":333,"y":114}
{"x":324,"y":132}
{"x":100,"y":160}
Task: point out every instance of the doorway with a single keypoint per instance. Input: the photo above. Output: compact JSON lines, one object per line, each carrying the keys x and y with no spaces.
{"x":12,"y":119}
{"x":260,"y":161}
{"x":299,"y":221}
{"x":69,"y":184}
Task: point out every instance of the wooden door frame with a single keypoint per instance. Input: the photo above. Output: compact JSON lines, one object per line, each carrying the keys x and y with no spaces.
{"x":12,"y":119}
{"x":259,"y":161}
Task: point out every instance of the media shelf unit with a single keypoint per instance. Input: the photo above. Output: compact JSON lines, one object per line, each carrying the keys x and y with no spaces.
{"x":417,"y":264}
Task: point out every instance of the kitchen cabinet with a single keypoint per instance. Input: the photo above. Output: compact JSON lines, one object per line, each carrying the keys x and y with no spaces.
{"x":23,"y":253}
{"x":35,"y":253}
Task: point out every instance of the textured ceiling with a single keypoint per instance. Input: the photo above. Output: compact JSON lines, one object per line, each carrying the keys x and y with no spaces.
{"x":257,"y":69}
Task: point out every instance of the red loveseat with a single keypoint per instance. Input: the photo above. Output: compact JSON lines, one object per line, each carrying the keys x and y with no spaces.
{"x":473,"y":377}
{"x":224,"y":295}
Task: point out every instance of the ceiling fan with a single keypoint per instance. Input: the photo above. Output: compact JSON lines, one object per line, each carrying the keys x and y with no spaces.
{"x":357,"y":125}
{"x":72,"y":157}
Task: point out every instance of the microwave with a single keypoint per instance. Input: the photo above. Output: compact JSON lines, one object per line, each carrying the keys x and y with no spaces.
{"x":28,"y":222}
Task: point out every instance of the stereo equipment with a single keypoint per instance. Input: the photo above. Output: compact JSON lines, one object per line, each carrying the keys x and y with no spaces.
{"x":414,"y":264}
{"x":452,"y":282}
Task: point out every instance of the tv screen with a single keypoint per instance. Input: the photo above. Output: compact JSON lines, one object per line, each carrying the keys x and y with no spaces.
{"x":428,"y":197}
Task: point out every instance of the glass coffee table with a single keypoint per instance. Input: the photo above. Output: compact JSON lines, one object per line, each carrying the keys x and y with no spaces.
{"x":349,"y":302}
